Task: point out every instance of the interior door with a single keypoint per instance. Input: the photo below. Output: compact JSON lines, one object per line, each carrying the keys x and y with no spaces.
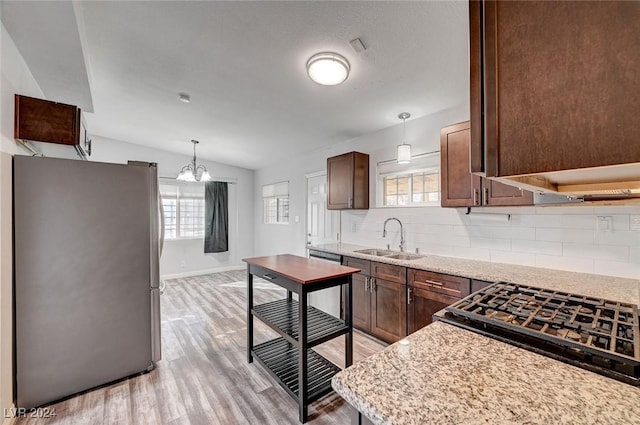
{"x":322,"y":227}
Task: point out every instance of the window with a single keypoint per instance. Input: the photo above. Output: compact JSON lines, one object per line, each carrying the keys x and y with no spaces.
{"x":275,"y":199}
{"x":417,"y":188}
{"x":183,"y":210}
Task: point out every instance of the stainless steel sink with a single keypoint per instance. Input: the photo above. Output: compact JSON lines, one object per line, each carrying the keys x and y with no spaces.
{"x":403,"y":256}
{"x":376,"y":252}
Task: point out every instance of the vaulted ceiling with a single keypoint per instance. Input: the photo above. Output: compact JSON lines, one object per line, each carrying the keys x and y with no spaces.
{"x":243,"y":63}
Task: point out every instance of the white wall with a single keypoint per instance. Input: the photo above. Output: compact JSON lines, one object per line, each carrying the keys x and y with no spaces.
{"x":563,"y":238}
{"x":16,"y":78}
{"x":187,"y":257}
{"x":423,"y":133}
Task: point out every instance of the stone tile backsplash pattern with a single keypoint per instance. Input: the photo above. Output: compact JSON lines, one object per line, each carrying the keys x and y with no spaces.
{"x":564,"y":238}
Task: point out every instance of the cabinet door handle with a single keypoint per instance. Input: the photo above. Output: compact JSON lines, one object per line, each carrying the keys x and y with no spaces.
{"x":409,"y":293}
{"x":475,"y":196}
{"x":433,"y":282}
{"x":486,"y":196}
{"x":350,"y":202}
{"x":268,"y":276}
{"x":366,"y":284}
{"x":373,"y":285}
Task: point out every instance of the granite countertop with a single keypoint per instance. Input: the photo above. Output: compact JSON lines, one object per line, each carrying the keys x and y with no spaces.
{"x":448,"y":375}
{"x":609,"y":287}
{"x":443,"y":374}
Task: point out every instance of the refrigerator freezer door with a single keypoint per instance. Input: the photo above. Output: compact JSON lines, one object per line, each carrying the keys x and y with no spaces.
{"x":82,"y":275}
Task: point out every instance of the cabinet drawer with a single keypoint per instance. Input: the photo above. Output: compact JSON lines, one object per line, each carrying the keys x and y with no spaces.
{"x":358,"y":263}
{"x":397,"y":274}
{"x":442,"y":283}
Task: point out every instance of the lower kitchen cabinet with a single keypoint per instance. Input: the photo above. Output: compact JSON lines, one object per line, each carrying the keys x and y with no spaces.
{"x":429,"y":292}
{"x":388,"y":309}
{"x":361,"y":304}
{"x":477,"y":285}
{"x":379,"y":305}
{"x":422,"y":304}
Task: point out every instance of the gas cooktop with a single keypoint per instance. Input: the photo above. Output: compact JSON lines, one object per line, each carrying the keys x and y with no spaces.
{"x":593,"y":333}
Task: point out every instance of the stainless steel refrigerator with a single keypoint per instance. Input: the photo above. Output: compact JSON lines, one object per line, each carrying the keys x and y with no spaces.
{"x":86,"y":270}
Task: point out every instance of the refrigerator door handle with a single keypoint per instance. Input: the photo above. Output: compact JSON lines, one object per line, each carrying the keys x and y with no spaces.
{"x":161,"y":208}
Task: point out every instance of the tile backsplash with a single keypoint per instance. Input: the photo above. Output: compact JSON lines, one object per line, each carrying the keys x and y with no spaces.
{"x":565,"y":238}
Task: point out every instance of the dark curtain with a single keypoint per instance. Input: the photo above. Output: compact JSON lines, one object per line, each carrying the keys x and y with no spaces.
{"x":216,"y":217}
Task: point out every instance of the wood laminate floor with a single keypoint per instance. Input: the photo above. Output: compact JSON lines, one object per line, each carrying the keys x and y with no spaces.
{"x":204,"y":377}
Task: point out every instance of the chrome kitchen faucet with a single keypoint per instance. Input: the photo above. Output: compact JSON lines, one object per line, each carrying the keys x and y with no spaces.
{"x":384,"y":232}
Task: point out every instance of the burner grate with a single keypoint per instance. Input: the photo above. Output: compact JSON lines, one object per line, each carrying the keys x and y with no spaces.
{"x":603,"y":332}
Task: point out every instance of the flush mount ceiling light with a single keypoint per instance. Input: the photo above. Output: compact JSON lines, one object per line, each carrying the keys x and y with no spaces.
{"x":328,"y":69}
{"x":193,"y":172}
{"x":404,"y":150}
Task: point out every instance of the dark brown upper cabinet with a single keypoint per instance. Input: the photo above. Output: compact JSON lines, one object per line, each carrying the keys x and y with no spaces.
{"x":459,"y":187}
{"x":348,"y":181}
{"x":554,"y":86}
{"x":45,"y":121}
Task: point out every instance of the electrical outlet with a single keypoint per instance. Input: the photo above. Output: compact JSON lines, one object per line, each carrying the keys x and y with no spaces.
{"x":604,"y":224}
{"x":635,"y":222}
{"x":183,"y":264}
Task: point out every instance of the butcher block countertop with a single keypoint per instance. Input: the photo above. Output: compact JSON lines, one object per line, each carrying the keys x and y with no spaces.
{"x":443,"y":374}
{"x":301,"y":270}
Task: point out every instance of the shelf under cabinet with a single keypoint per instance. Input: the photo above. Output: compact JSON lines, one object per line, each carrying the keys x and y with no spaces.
{"x":280,"y":358}
{"x":282,"y":316}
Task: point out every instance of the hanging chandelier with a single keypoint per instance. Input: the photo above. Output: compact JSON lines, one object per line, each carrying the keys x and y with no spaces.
{"x":193,"y":172}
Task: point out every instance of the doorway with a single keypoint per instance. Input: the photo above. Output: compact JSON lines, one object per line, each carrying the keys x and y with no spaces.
{"x":323,"y":227}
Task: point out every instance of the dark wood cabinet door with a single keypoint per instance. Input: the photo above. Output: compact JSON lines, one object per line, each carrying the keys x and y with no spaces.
{"x":388,"y":310}
{"x":45,"y":121}
{"x":361,"y":303}
{"x":558,"y":84}
{"x":477,"y":285}
{"x":348,"y":181}
{"x":340,"y":182}
{"x":422,"y":304}
{"x":496,"y":193}
{"x":459,"y":188}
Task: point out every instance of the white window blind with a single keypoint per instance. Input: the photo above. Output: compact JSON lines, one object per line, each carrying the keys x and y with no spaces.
{"x":183,"y":205}
{"x":275,"y":201}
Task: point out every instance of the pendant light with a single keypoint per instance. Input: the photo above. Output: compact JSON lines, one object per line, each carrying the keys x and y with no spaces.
{"x":193,"y":172}
{"x":404,"y":150}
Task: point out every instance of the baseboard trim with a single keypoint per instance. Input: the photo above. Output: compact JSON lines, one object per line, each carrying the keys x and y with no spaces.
{"x":201,"y":272}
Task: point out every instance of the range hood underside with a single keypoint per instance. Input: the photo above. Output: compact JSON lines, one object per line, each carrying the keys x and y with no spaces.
{"x":616,"y":181}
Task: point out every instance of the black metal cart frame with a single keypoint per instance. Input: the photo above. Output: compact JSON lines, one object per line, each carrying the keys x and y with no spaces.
{"x":302,"y":372}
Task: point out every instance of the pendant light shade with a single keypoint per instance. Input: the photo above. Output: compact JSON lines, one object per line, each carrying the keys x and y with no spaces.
{"x":193,"y":172}
{"x":404,"y":149}
{"x":404,"y":153}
